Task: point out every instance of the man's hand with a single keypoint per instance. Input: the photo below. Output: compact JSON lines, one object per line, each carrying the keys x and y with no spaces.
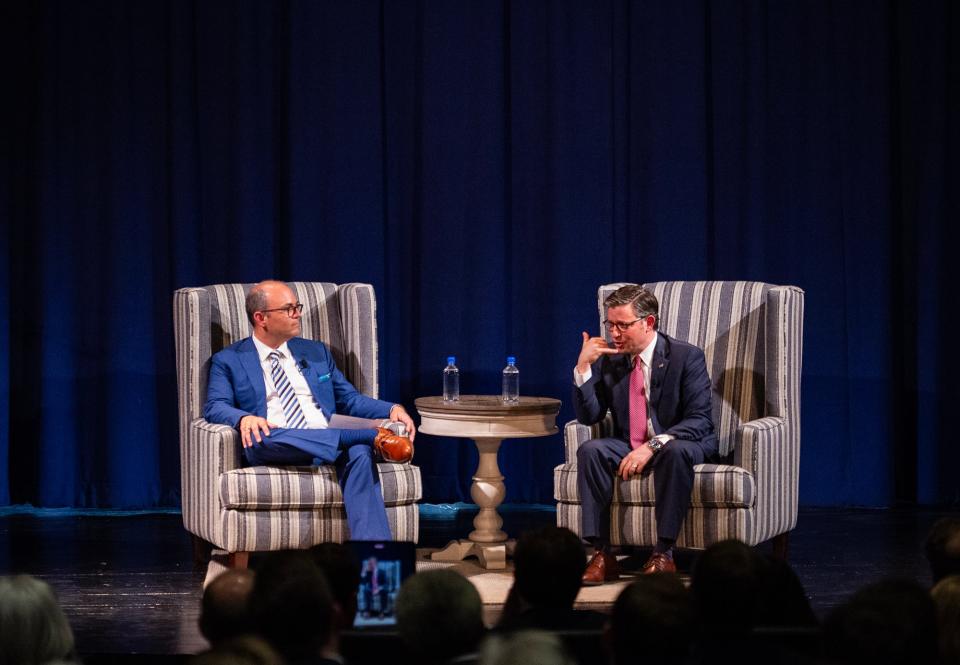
{"x":593,"y":348}
{"x":399,"y":413}
{"x":251,"y":427}
{"x":634,"y":462}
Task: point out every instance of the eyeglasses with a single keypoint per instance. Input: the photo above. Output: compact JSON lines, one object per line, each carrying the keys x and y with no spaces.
{"x":289,"y":309}
{"x":622,"y":326}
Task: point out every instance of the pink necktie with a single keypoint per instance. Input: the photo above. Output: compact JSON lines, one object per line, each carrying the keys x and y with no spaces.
{"x":638,"y":406}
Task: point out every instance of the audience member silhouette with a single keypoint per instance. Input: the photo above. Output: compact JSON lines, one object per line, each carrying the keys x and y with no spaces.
{"x":33,"y":627}
{"x":783,"y":600}
{"x":224,"y":608}
{"x":892,"y":622}
{"x":946,"y":596}
{"x":727,"y":585}
{"x":736,"y":588}
{"x":548,"y":572}
{"x":242,"y":650}
{"x":292,"y":608}
{"x":525,"y":647}
{"x":653,"y":617}
{"x":340,"y":566}
{"x":439,"y":617}
{"x":942,"y":548}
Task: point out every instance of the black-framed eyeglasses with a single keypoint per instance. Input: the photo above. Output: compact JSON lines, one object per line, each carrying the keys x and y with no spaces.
{"x":622,"y":326}
{"x":289,"y":309}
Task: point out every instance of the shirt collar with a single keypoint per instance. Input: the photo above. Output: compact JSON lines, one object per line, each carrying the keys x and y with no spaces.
{"x":647,"y":354}
{"x":264,"y":351}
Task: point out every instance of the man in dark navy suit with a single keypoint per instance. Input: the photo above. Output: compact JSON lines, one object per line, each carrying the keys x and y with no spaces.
{"x":281,"y":391}
{"x":658,"y":391}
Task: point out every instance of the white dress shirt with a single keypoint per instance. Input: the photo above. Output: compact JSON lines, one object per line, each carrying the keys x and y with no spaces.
{"x":646,"y":357}
{"x":275,"y":414}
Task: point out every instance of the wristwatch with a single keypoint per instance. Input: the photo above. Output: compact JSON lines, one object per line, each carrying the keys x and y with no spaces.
{"x":656,"y":444}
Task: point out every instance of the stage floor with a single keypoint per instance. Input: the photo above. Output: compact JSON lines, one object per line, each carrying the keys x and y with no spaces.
{"x":127,"y":582}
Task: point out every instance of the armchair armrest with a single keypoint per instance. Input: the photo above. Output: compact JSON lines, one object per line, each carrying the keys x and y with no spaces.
{"x":768,"y":449}
{"x":207,"y":451}
{"x":575,"y":433}
{"x":755,"y":441}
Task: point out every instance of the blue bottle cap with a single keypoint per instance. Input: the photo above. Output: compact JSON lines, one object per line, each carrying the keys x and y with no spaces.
{"x":511,"y":360}
{"x":451,"y":360}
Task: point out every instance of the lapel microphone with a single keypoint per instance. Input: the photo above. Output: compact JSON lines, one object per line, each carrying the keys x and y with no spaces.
{"x":302,"y":365}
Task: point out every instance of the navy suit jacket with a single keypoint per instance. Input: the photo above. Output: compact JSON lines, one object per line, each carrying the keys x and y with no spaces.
{"x":680,"y":394}
{"x":237,"y":389}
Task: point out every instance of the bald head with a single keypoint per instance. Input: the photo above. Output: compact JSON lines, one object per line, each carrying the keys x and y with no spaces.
{"x":224,"y":610}
{"x":258,"y":296}
{"x":274,"y":312}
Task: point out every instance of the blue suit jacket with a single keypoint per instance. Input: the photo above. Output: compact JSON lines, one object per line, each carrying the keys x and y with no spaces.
{"x":237,"y":388}
{"x":680,"y":394}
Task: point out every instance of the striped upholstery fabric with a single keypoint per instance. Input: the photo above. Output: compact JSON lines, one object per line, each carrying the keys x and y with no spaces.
{"x":250,"y":509}
{"x":268,"y":487}
{"x":752,"y":336}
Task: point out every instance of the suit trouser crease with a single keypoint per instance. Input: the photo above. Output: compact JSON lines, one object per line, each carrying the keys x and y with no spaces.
{"x":356,"y":472}
{"x":672,"y":468}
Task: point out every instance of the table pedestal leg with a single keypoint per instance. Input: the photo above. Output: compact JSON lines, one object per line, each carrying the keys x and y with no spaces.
{"x":488,"y":542}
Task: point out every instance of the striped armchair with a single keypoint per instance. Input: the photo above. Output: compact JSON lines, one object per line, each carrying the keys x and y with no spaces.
{"x":752,"y":336}
{"x":241,"y":509}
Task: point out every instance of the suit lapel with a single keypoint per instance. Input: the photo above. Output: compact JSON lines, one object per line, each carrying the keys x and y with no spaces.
{"x":661,"y":362}
{"x":251,"y":364}
{"x":298,"y":349}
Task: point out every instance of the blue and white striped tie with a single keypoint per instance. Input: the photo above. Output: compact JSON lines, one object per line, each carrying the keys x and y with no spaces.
{"x":288,"y":398}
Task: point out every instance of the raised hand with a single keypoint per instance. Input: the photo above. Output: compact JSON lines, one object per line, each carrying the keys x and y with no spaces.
{"x":593,"y":348}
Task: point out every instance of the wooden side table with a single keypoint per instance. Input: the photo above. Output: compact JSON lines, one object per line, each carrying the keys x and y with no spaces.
{"x":488,"y":421}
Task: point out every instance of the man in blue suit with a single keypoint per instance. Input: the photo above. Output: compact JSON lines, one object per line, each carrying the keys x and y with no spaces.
{"x":658,"y":391}
{"x":281,"y":391}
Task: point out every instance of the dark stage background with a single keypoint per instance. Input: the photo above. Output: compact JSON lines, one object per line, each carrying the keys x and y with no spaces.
{"x":485,"y":165}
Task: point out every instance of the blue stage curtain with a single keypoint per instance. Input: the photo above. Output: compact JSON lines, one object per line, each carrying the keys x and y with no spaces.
{"x":485,"y":166}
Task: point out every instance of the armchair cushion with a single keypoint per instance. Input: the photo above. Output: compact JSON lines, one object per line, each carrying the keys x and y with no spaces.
{"x":292,"y":487}
{"x":714,"y":486}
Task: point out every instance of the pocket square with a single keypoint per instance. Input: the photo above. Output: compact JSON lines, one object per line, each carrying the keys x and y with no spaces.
{"x":324,"y":377}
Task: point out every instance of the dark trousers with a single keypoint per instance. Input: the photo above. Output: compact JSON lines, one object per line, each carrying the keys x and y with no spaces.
{"x":672,"y":468}
{"x":356,"y":472}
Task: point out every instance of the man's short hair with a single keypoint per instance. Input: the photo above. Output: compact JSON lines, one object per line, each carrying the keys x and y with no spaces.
{"x":35,"y":629}
{"x":728,"y":584}
{"x":526,"y":646}
{"x":291,"y":605}
{"x":892,"y":622}
{"x":642,"y":300}
{"x":439,"y":615}
{"x":946,"y":596}
{"x":340,"y":566}
{"x":548,"y":567}
{"x":242,"y":650}
{"x":656,"y":611}
{"x":942,"y":548}
{"x":224,"y":609}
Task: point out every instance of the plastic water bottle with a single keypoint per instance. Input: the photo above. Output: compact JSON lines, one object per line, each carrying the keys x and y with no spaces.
{"x":511,"y":382}
{"x":451,"y":381}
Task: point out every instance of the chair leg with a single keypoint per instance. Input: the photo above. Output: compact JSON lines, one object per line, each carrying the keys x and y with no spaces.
{"x":238,"y":559}
{"x":201,"y":552}
{"x":780,"y":546}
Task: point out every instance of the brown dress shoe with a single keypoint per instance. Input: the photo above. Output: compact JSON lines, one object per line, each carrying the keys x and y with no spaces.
{"x":602,"y":568}
{"x":393,"y":448}
{"x":659,"y":563}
